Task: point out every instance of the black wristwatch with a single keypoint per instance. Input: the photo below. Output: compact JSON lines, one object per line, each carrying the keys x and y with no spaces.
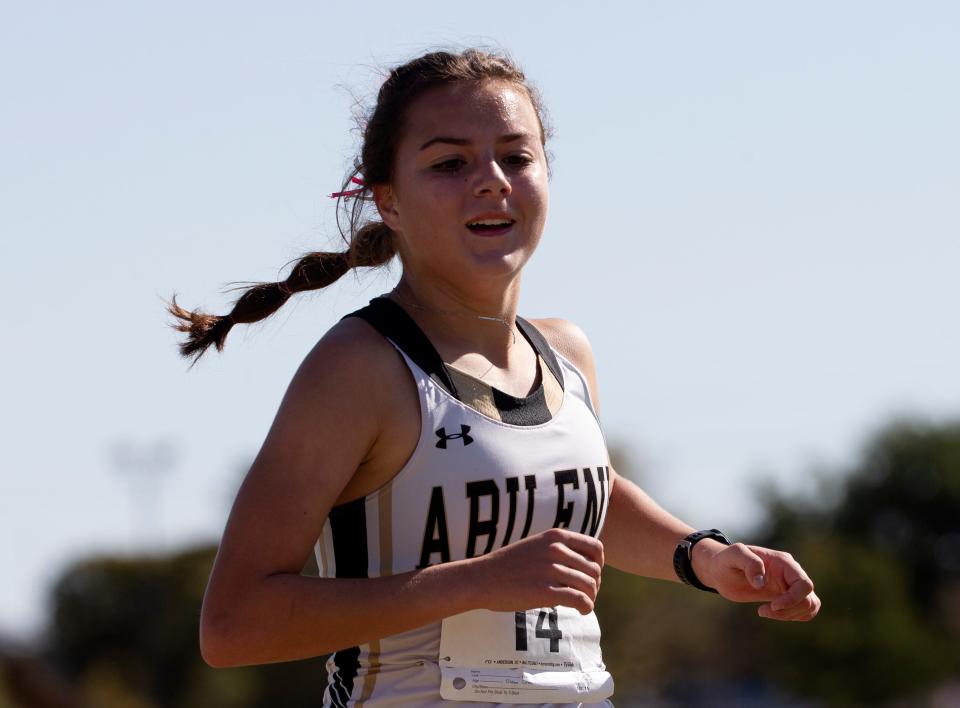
{"x":683,"y":556}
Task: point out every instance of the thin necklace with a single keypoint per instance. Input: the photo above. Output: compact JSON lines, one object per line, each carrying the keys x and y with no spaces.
{"x":489,"y":318}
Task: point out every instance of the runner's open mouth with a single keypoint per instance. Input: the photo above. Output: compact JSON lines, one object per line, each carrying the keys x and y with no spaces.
{"x":489,"y":225}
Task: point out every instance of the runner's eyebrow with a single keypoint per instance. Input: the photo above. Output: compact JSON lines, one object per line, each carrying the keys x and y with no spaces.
{"x":509,"y":138}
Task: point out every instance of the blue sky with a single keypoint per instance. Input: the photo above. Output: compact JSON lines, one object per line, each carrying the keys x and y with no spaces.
{"x":754,"y":217}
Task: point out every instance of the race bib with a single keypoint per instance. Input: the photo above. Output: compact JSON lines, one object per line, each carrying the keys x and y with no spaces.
{"x":545,"y":655}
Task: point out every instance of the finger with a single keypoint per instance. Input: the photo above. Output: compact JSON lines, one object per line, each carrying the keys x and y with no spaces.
{"x":805,"y":610}
{"x":816,"y":604}
{"x":799,"y":589}
{"x":569,"y":577}
{"x":569,"y":597}
{"x":572,"y":559}
{"x":586,"y":546}
{"x":801,"y":612}
{"x":742,"y":558}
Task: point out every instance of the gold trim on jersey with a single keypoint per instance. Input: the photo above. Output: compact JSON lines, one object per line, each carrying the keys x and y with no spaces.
{"x":370,"y":677}
{"x":385,"y":532}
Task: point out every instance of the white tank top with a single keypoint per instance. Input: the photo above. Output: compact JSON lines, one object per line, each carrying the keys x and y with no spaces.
{"x":474,"y":483}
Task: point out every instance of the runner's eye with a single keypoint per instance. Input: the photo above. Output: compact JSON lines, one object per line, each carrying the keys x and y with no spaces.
{"x":451,"y":165}
{"x":518,"y":161}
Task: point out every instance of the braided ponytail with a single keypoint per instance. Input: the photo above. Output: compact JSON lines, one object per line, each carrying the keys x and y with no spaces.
{"x":372,"y":246}
{"x":370,"y":240}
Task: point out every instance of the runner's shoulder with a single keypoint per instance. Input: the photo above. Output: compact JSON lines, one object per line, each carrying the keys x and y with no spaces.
{"x":568,"y":340}
{"x":353,"y":365}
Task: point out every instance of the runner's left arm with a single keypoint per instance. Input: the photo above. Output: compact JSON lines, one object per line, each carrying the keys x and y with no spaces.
{"x":639,"y":536}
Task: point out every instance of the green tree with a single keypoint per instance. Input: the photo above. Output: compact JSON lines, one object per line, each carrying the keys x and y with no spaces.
{"x":882,"y":542}
{"x":126,"y":630}
{"x":883,"y":545}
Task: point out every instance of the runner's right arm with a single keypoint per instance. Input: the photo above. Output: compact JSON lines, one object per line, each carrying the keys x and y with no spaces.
{"x":344,"y":421}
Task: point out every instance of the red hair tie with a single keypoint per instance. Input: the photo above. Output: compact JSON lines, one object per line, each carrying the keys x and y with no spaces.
{"x":351,"y":192}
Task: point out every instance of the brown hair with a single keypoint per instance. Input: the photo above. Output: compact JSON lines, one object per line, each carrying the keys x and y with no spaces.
{"x":370,"y":241}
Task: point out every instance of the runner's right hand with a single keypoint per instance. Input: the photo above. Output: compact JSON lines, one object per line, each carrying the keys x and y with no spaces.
{"x":556,"y":567}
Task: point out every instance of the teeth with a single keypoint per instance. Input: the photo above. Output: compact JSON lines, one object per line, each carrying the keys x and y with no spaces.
{"x":490,"y":222}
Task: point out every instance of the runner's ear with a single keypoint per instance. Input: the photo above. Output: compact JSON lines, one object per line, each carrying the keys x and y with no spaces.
{"x":386,"y":200}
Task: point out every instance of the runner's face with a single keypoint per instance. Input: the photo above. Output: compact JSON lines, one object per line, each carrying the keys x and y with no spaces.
{"x":469,"y":193}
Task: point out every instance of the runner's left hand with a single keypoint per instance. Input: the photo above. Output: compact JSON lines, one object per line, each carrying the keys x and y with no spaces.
{"x":743,"y":573}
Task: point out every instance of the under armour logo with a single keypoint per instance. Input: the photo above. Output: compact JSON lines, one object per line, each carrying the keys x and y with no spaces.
{"x":462,"y":435}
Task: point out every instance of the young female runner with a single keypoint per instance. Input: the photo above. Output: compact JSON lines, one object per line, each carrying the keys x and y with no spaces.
{"x":440,"y":454}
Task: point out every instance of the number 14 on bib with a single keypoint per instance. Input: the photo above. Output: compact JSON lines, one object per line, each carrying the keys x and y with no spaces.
{"x":543,"y":655}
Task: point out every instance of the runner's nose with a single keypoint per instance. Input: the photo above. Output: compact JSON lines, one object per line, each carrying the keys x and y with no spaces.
{"x":491,"y":180}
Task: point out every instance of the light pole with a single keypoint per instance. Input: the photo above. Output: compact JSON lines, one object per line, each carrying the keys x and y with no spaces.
{"x":145,"y":466}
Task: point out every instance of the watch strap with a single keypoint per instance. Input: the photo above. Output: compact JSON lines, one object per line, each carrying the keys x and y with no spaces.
{"x":683,"y":556}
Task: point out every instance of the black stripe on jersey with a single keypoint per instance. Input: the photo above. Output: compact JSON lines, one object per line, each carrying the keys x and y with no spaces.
{"x":538,"y":342}
{"x":342,"y":685}
{"x":393,"y":322}
{"x":348,"y":524}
